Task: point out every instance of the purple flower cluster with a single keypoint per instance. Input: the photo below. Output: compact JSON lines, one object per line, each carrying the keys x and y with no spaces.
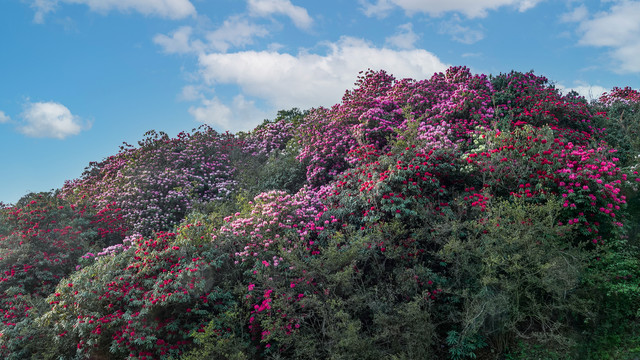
{"x":268,"y":137}
{"x":156,"y":184}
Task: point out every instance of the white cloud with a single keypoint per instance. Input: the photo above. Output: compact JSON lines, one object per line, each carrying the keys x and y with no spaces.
{"x":380,"y":9}
{"x":190,"y":93}
{"x":179,"y":42}
{"x":272,"y":79}
{"x":578,"y":14}
{"x":50,"y":120}
{"x":524,"y":5}
{"x":42,"y":8}
{"x":212,"y":112}
{"x":235,"y":31}
{"x":297,"y":14}
{"x":460,"y":33}
{"x":617,"y":29}
{"x":471,"y":8}
{"x":275,"y":47}
{"x":172,"y":9}
{"x":309,"y":80}
{"x":405,"y":38}
{"x":4,"y":118}
{"x":240,"y":115}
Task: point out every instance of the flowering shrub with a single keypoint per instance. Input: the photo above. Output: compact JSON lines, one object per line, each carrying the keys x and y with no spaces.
{"x":521,"y":99}
{"x":448,"y":157}
{"x":451,"y":217}
{"x":625,"y":95}
{"x":531,"y":163}
{"x":272,"y":136}
{"x":380,"y":106}
{"x":620,"y":110}
{"x":156,"y":184}
{"x":41,"y":239}
{"x":46,"y":237}
{"x":267,"y":158}
{"x":142,"y":303}
{"x":287,"y":256}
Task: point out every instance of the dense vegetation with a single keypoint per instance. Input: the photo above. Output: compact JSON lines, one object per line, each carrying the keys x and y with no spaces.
{"x":461,"y":216}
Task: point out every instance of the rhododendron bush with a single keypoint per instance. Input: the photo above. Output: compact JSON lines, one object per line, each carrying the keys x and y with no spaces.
{"x":458,"y":216}
{"x":143,"y":302}
{"x":273,"y":149}
{"x":41,"y":239}
{"x":156,"y":184}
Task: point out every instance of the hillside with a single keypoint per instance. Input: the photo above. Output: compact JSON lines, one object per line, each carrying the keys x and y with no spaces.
{"x":456,"y":217}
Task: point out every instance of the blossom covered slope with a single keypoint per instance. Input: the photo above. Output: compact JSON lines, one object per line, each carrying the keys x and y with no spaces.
{"x":458,"y":216}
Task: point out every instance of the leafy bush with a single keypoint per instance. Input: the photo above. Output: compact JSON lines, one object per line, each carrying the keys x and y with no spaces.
{"x":141,"y":303}
{"x":41,"y":240}
{"x":518,"y":276}
{"x":460,"y":216}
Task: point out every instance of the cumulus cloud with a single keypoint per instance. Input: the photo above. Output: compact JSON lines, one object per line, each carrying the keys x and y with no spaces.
{"x":50,"y":120}
{"x":617,"y":29}
{"x":240,"y":115}
{"x":309,"y":80}
{"x":171,"y":9}
{"x":212,"y":112}
{"x":297,"y":14}
{"x":273,"y":79}
{"x":179,"y":41}
{"x":470,"y":8}
{"x":4,"y":118}
{"x":234,"y":32}
{"x":405,"y":38}
{"x":190,"y":93}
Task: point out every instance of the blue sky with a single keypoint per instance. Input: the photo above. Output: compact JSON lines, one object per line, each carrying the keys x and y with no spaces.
{"x":79,"y":77}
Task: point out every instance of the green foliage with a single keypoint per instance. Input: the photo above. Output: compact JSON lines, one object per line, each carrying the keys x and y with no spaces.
{"x":622,"y":123}
{"x":223,"y":338}
{"x":267,"y":161}
{"x":517,"y":275}
{"x":614,"y":333}
{"x":282,"y":171}
{"x":525,"y":351}
{"x":279,"y":171}
{"x":363,"y":301}
{"x":463,"y":347}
